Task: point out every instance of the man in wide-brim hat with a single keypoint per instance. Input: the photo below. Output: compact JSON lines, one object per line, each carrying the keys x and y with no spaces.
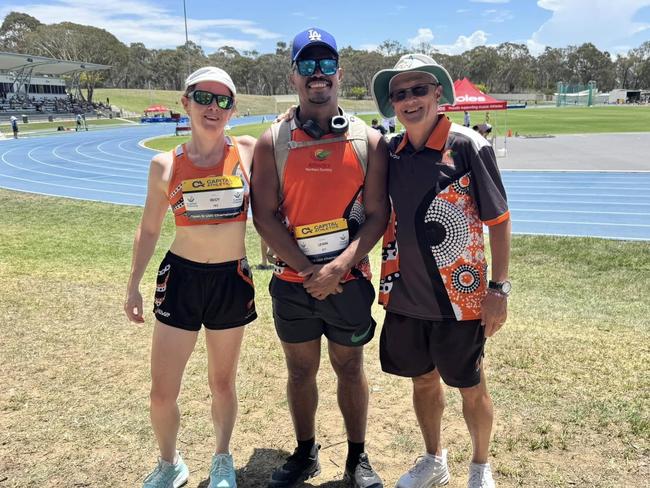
{"x":444,"y":185}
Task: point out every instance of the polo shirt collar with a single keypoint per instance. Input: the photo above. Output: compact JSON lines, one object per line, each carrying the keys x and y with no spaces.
{"x":436,"y":140}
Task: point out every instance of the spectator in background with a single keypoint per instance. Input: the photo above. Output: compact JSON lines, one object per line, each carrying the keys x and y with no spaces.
{"x":392,"y":124}
{"x":14,"y":126}
{"x":466,"y":121}
{"x":267,"y":254}
{"x":484,"y":129}
{"x":375,"y":125}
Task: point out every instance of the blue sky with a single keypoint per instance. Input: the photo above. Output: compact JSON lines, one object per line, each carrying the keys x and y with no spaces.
{"x":451,"y":27}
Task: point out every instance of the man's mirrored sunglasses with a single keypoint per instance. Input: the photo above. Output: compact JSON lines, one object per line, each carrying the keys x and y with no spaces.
{"x":417,"y":91}
{"x":203,"y":97}
{"x":307,"y":67}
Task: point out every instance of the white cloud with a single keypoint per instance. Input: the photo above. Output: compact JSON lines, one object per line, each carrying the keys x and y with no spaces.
{"x":498,"y":16}
{"x":145,"y":21}
{"x":463,"y":43}
{"x":605,"y":23}
{"x":369,"y":47}
{"x":425,"y":35}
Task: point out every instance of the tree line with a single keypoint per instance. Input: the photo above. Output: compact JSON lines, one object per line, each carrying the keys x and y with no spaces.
{"x":506,"y":68}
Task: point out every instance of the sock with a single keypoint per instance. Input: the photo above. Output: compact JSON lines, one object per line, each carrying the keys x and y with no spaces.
{"x":354,"y":449}
{"x":304,"y":447}
{"x":437,"y":458}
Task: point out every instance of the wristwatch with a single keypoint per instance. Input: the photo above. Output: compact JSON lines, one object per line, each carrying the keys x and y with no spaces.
{"x":502,"y":287}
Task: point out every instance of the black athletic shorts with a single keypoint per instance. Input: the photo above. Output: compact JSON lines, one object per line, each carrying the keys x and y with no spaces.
{"x":219,"y":295}
{"x":343,"y":318}
{"x":412,"y":347}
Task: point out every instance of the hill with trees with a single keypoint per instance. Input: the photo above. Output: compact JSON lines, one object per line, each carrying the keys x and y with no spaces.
{"x":506,"y":68}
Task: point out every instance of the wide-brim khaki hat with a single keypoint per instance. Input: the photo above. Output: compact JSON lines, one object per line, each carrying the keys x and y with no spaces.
{"x":410,"y":62}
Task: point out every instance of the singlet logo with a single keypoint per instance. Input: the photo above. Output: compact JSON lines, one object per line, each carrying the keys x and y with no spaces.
{"x":322,"y":154}
{"x":314,"y":35}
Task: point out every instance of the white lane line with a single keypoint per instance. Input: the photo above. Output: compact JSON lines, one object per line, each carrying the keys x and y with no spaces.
{"x":604,"y":224}
{"x":40,"y":183}
{"x":77,"y":149}
{"x":55,"y":153}
{"x":117,"y":154}
{"x":120,"y":145}
{"x":58,"y":175}
{"x":58,"y":195}
{"x":519,"y":209}
{"x":582,"y":186}
{"x":562,"y":196}
{"x":94,"y":174}
{"x":579,"y":202}
{"x":541,"y":170}
{"x":553,"y":234}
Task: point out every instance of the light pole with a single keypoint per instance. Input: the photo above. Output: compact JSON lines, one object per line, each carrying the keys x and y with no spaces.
{"x":187,"y":40}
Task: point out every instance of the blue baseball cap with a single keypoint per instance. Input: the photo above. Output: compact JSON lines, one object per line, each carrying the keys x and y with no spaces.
{"x":312,"y":37}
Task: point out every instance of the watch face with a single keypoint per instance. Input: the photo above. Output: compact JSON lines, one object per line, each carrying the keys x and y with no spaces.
{"x":506,"y":286}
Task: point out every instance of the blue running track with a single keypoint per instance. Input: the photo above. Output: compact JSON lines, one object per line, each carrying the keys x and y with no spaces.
{"x":110,"y":166}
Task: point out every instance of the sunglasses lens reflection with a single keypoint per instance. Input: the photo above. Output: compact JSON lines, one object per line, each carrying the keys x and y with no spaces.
{"x":203,"y":97}
{"x":307,"y":67}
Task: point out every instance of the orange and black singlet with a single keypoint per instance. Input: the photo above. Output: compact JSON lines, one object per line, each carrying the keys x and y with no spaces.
{"x":322,"y":203}
{"x":214,"y":195}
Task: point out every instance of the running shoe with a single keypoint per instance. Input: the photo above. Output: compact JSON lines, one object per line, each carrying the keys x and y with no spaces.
{"x":222,"y":472}
{"x":363,"y":475}
{"x":168,"y":475}
{"x":296,"y":469}
{"x":428,"y":471}
{"x":480,"y":476}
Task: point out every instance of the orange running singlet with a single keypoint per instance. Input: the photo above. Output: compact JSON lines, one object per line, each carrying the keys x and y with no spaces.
{"x":322,"y":203}
{"x":215,"y":195}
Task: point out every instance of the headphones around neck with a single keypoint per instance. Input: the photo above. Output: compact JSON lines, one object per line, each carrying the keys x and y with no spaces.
{"x":337,"y":125}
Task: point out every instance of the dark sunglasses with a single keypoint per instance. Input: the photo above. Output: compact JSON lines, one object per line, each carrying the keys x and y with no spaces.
{"x":307,"y":67}
{"x":417,"y":91}
{"x":203,"y":97}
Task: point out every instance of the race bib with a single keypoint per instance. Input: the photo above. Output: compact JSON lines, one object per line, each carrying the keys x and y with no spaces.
{"x":323,"y":241}
{"x":213,"y":197}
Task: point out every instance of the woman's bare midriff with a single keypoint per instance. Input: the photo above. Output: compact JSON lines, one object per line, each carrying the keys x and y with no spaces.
{"x":210,"y":243}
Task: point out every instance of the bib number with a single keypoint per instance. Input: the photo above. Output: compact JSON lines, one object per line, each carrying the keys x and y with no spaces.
{"x":213,"y":197}
{"x":323,"y":241}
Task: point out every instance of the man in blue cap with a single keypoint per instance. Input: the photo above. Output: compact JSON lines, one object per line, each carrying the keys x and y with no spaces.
{"x":320,"y":202}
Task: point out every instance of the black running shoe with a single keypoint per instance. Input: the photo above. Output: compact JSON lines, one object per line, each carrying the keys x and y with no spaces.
{"x":296,"y":470}
{"x":363,"y":476}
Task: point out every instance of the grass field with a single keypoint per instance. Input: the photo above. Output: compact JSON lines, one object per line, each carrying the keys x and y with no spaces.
{"x":138,"y":100}
{"x":566,"y":120}
{"x":568,"y":372}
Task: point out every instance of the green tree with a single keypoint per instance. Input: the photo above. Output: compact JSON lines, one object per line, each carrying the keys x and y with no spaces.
{"x":587,"y":63}
{"x":357,"y":92}
{"x":515,"y":64}
{"x":74,"y":42}
{"x":13,"y":31}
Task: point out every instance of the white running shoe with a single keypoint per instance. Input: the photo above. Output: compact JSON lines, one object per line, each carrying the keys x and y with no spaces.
{"x":480,"y":476}
{"x":429,"y":470}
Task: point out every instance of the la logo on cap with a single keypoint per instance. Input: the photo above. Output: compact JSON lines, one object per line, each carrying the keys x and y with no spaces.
{"x":314,"y":35}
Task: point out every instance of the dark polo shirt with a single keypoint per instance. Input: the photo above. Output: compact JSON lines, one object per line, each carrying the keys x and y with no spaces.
{"x":415,"y":177}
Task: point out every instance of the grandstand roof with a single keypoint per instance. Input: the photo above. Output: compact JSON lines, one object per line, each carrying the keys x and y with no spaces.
{"x":45,"y":66}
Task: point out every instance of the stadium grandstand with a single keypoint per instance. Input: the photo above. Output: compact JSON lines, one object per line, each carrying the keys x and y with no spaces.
{"x":33,"y":88}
